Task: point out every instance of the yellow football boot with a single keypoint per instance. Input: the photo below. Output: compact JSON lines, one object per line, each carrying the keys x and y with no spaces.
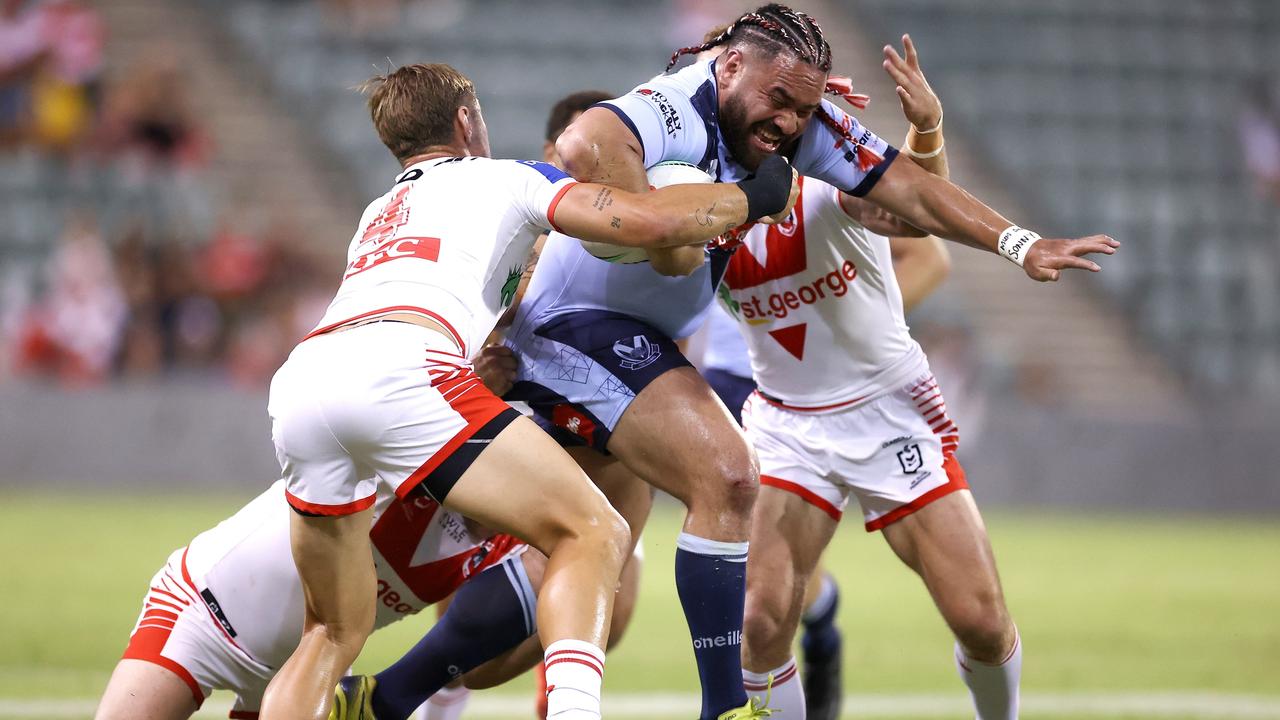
{"x":353,"y":698}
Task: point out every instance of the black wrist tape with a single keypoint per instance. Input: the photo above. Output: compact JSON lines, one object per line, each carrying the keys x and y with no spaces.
{"x":768,"y":189}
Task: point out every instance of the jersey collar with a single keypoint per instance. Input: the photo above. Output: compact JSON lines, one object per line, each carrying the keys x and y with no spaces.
{"x":416,"y":170}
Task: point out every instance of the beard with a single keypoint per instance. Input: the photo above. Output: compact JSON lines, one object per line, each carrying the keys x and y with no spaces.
{"x":735,"y":130}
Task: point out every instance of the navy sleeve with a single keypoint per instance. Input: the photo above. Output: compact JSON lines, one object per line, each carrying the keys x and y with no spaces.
{"x":853,"y":167}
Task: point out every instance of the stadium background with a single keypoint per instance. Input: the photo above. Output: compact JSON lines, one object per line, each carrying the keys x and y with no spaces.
{"x":178,"y":181}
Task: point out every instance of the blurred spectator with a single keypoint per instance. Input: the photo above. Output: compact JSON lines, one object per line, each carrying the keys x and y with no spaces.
{"x":358,"y":18}
{"x":20,"y":56}
{"x":73,"y":332}
{"x":693,"y":18}
{"x":50,"y":65}
{"x":1260,"y":137}
{"x":233,"y":308}
{"x":148,"y":116}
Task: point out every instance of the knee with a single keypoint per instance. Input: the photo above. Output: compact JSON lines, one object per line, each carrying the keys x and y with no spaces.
{"x":735,"y":482}
{"x":766,"y":632}
{"x":604,"y":528}
{"x":984,"y":629}
{"x":595,"y":524}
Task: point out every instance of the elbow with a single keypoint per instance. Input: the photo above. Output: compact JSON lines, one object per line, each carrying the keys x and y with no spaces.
{"x":908,"y":230}
{"x":575,"y":153}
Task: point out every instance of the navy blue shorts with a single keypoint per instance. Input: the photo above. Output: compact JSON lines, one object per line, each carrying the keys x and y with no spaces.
{"x":732,"y":389}
{"x":580,"y":371}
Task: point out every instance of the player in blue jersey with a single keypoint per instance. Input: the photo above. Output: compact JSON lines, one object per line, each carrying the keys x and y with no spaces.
{"x":594,"y":339}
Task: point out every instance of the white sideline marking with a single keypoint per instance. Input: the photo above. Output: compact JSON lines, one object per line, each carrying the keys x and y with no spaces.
{"x":1203,"y":704}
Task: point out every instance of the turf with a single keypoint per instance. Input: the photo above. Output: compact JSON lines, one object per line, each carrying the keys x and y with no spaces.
{"x":1111,"y":603}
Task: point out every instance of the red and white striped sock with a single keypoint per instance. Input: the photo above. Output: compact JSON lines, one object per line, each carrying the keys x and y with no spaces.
{"x":786,"y":697}
{"x":575,"y":671}
{"x":994,"y":687}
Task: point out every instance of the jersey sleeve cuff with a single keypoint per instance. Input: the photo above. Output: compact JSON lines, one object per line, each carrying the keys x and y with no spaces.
{"x":555,"y":202}
{"x":873,"y":177}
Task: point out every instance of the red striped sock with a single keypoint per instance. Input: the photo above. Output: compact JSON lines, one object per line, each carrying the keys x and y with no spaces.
{"x":575,"y":671}
{"x":786,"y":694}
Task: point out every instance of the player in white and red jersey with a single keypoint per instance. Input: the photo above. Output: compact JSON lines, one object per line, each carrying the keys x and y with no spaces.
{"x":226,"y":610}
{"x":382,"y":393}
{"x":846,"y":406}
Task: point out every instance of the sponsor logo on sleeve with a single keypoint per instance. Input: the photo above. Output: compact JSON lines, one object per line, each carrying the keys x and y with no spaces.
{"x":670,"y":118}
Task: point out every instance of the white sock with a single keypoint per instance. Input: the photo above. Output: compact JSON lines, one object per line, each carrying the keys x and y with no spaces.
{"x":575,"y":670}
{"x":994,"y":687}
{"x":822,"y":602}
{"x":446,"y":704}
{"x":787,"y":694}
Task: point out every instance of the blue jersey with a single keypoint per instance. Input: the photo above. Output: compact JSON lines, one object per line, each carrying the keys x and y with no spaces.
{"x":675,"y":117}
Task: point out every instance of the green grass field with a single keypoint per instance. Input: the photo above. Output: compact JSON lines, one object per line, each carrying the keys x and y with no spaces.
{"x":1116,"y":604}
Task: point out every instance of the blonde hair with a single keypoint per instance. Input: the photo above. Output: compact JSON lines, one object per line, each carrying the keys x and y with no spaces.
{"x":413,"y":106}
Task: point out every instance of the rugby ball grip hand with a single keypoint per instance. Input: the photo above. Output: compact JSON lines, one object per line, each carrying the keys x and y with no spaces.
{"x":768,"y":189}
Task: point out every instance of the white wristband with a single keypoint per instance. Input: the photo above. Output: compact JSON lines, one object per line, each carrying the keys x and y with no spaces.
{"x":1015,"y":242}
{"x":923,"y":156}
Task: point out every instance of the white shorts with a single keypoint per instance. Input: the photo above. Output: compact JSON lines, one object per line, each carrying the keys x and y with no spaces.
{"x":179,"y":631}
{"x":896,"y":453}
{"x":383,"y":403}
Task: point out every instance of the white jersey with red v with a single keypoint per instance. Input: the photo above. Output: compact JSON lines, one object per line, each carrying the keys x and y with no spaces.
{"x":819,"y":306}
{"x":422,"y":553}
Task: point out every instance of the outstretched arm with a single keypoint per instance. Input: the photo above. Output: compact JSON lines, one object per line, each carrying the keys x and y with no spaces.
{"x":934,"y":205}
{"x":943,"y":209}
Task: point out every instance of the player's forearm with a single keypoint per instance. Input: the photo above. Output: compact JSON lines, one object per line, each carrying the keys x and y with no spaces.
{"x":693,"y":214}
{"x":665,"y":218}
{"x":679,"y":214}
{"x":938,"y":207}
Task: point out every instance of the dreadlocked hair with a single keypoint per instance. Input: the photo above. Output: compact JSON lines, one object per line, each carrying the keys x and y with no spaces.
{"x":775,"y":28}
{"x":772,"y":28}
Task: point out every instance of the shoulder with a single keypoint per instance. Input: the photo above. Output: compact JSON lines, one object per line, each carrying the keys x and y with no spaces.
{"x":685,"y":82}
{"x":674,"y":98}
{"x":512,"y":171}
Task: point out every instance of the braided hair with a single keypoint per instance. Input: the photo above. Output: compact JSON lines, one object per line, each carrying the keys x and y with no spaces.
{"x":777,"y":28}
{"x":772,"y":28}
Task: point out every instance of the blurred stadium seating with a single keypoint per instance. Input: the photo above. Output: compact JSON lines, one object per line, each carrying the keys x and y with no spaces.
{"x":1124,"y":118}
{"x":1149,"y":120}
